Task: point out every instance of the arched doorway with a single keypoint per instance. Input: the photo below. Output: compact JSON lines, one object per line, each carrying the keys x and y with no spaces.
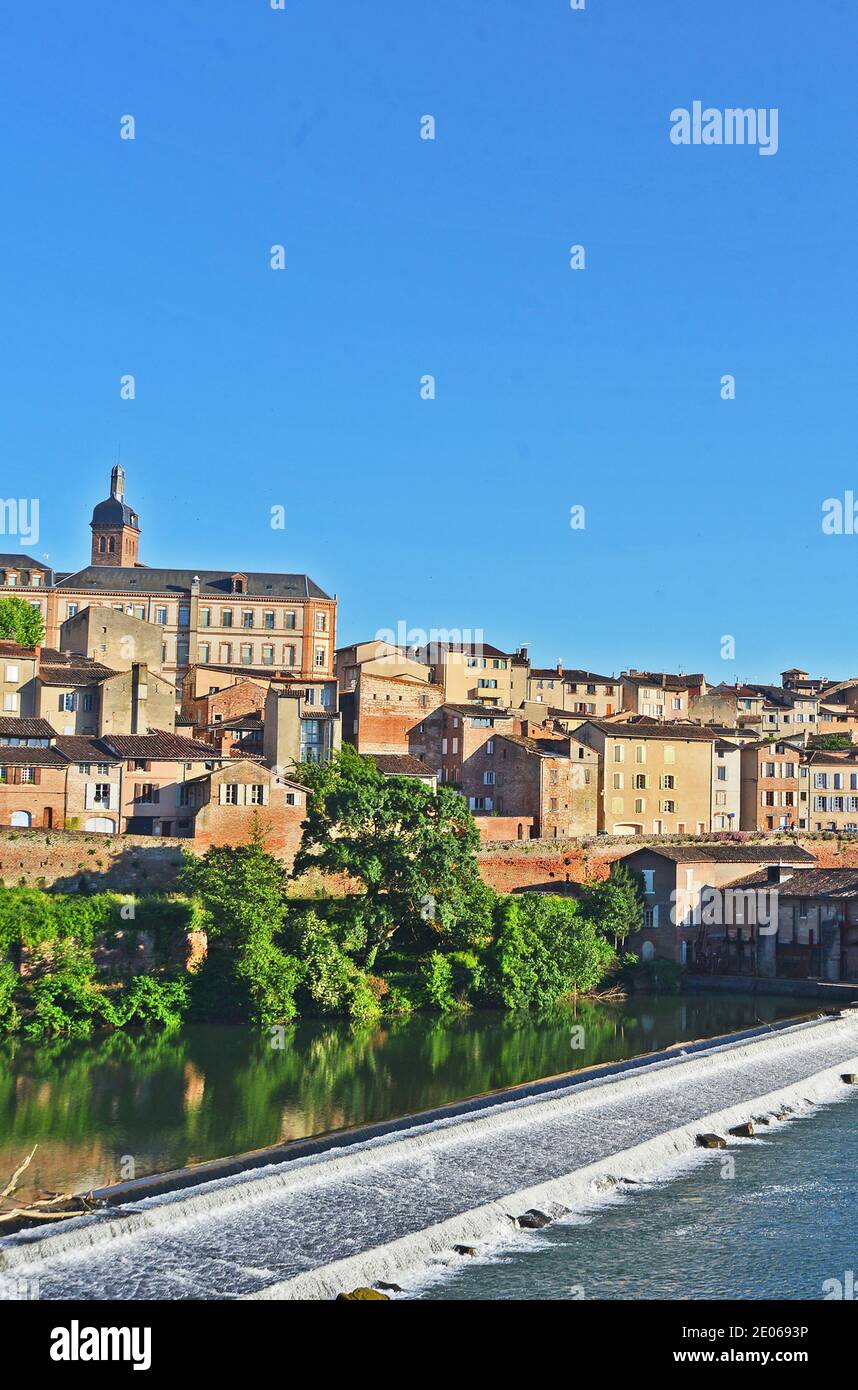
{"x":22,"y":819}
{"x":101,"y":824}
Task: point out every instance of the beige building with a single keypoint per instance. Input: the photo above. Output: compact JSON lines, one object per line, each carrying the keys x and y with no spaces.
{"x":577,"y":692}
{"x":115,"y":638}
{"x":828,"y":790}
{"x":653,"y":779}
{"x":18,"y":667}
{"x":477,"y":673}
{"x":660,"y":695}
{"x":376,"y":658}
{"x":726,"y":785}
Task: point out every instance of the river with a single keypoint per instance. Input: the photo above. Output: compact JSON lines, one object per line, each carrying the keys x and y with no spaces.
{"x":129,"y":1104}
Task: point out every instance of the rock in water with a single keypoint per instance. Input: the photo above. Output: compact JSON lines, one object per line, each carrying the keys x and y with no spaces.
{"x":361,"y":1294}
{"x":744,"y":1131}
{"x":388,"y":1288}
{"x":533,"y":1220}
{"x":849,"y":1078}
{"x":711,"y":1141}
{"x":465,"y":1249}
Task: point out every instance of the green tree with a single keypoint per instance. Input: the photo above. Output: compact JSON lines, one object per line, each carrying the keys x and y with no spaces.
{"x":20,"y":622}
{"x":412,"y":849}
{"x":831,"y":742}
{"x":615,"y":905}
{"x":544,"y":948}
{"x":242,"y":891}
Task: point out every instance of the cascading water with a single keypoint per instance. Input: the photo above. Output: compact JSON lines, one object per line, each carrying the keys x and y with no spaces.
{"x":312,"y":1226}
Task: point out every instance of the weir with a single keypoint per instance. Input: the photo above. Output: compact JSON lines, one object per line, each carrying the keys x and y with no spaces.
{"x":314,"y":1226}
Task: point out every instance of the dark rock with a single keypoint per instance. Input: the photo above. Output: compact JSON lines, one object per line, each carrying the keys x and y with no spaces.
{"x":387,"y":1288}
{"x":533,"y":1220}
{"x":743,"y":1131}
{"x":762,"y":1119}
{"x":361,"y":1295}
{"x":465,"y":1249}
{"x":849,"y":1078}
{"x":711,"y":1141}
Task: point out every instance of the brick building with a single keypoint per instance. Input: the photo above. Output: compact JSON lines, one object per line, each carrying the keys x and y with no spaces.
{"x":449,"y":737}
{"x":548,"y":782}
{"x":32,"y":787}
{"x":380,"y":711}
{"x":233,"y":800}
{"x":770,"y":787}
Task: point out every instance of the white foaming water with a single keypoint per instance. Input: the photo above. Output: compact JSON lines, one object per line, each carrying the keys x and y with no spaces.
{"x":311,"y":1227}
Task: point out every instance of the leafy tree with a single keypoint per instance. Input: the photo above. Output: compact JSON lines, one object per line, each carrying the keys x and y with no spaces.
{"x":242,"y":891}
{"x":615,"y":905}
{"x":412,"y":849}
{"x":831,"y":742}
{"x":544,"y":949}
{"x":20,"y":622}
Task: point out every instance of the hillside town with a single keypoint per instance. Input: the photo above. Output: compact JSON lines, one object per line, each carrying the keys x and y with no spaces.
{"x":181,"y":703}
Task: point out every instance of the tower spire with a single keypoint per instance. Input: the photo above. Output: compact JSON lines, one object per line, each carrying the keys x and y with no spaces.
{"x":117,"y":482}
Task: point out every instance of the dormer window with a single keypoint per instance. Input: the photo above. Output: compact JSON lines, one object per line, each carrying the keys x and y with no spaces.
{"x":239,"y":583}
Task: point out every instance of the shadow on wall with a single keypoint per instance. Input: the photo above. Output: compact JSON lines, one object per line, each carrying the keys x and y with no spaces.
{"x":148,"y":868}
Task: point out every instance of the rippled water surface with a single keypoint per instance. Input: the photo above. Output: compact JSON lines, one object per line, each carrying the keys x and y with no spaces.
{"x":780,"y":1228}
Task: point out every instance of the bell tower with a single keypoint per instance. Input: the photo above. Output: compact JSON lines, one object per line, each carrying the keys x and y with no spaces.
{"x":115,"y":527}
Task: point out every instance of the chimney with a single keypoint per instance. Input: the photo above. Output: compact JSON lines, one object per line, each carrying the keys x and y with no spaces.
{"x":560,"y":669}
{"x":779,"y":873}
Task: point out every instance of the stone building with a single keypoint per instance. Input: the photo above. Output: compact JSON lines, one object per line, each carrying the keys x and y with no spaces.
{"x":547,"y":782}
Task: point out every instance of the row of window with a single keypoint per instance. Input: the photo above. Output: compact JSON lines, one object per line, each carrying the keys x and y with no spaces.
{"x":835,"y":803}
{"x":668,"y":753}
{"x":247,"y":654}
{"x":642,"y":781}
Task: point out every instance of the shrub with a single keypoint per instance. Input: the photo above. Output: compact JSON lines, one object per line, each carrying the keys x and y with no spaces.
{"x":436,"y":974}
{"x":543,"y":950}
{"x":149,"y":1000}
{"x":10,"y":1018}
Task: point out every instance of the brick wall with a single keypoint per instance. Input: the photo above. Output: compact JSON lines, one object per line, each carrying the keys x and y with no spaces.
{"x":504,"y":828}
{"x":387,"y":708}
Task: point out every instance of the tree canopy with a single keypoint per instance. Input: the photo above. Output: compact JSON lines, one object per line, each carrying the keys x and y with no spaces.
{"x":412,"y":848}
{"x":20,"y":622}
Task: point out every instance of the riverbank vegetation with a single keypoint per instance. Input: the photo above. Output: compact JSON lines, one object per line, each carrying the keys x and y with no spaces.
{"x":419,"y":930}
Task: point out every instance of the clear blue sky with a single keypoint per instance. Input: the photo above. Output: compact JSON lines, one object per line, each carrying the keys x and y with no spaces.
{"x":406,"y":257}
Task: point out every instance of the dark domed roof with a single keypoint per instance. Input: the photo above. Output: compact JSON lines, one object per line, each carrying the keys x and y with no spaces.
{"x":112,"y":512}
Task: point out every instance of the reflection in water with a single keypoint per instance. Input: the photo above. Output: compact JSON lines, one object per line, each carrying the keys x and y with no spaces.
{"x":165,"y":1100}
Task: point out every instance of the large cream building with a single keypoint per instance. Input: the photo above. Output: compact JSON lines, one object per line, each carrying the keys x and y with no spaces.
{"x":654,"y":778}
